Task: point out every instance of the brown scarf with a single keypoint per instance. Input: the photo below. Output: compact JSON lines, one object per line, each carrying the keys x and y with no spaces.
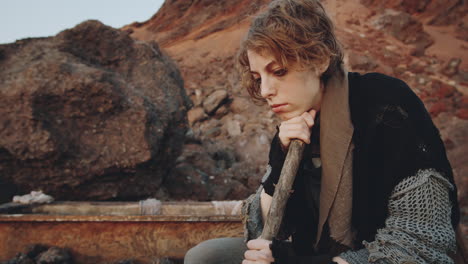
{"x":336,"y":150}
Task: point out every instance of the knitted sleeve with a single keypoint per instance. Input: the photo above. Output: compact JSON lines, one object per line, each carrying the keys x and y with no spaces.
{"x":418,"y":228}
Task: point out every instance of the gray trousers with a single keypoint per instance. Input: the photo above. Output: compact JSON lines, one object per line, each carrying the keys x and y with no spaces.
{"x":227,"y":250}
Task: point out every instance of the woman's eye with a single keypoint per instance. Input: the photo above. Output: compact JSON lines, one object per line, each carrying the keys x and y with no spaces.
{"x":280,"y":72}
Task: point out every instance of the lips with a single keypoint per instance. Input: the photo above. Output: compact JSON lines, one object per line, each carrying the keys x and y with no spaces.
{"x":278,"y":107}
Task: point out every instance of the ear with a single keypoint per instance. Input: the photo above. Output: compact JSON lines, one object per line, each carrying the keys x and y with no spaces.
{"x":321,"y":68}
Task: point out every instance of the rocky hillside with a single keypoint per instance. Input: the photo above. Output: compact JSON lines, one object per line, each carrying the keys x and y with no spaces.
{"x":421,"y":42}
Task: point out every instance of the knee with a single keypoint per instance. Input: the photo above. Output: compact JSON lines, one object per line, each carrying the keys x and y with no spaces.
{"x":214,"y":251}
{"x":201,"y":253}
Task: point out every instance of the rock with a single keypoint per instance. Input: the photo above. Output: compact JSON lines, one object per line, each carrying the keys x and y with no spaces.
{"x":404,"y":28}
{"x":233,"y":127}
{"x":213,"y":132}
{"x":418,"y":66}
{"x":442,"y":90}
{"x":89,"y":114}
{"x":409,"y":6}
{"x":456,"y":130}
{"x":20,"y":258}
{"x":221,"y":111}
{"x":461,"y":31}
{"x":451,"y":68}
{"x":400,"y":69}
{"x":462,"y":114}
{"x":437,"y":108}
{"x":54,"y":255}
{"x":362,"y":62}
{"x":40,"y":254}
{"x":196,"y":114}
{"x":240,"y":105}
{"x":208,"y":172}
{"x":436,"y":12}
{"x":34,"y":250}
{"x":447,"y":12}
{"x":214,"y":100}
{"x":37,"y":197}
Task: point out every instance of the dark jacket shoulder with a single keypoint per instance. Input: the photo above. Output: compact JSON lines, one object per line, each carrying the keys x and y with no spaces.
{"x":374,"y":95}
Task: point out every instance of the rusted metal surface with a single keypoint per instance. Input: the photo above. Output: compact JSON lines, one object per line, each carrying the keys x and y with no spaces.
{"x":108,"y":238}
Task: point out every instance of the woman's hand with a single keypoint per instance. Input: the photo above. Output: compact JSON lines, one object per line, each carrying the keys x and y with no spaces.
{"x":296,"y":128}
{"x":259,"y":252}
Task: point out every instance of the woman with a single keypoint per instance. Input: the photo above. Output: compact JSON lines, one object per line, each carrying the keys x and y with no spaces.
{"x":374,"y":186}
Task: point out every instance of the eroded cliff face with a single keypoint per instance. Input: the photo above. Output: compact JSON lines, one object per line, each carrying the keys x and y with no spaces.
{"x":422,"y":42}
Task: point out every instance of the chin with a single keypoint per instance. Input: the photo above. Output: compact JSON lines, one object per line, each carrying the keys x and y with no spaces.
{"x":286,"y":116}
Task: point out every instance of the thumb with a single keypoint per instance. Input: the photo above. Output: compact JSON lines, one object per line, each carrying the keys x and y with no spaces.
{"x":313,"y":113}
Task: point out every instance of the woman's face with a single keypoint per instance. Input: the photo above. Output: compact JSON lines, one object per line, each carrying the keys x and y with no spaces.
{"x":289,"y":92}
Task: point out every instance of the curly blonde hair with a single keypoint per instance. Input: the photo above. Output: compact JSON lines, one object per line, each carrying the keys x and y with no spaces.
{"x":297,"y":33}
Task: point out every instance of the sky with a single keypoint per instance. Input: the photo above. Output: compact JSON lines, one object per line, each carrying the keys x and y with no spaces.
{"x":41,"y":18}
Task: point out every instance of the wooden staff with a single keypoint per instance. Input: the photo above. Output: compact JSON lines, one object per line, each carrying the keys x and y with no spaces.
{"x":283,"y":189}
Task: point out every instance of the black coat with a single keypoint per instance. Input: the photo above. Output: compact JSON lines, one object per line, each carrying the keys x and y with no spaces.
{"x":393,"y":138}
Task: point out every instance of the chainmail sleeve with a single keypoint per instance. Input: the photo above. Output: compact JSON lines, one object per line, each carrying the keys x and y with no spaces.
{"x":252,"y":216}
{"x":418,"y":228}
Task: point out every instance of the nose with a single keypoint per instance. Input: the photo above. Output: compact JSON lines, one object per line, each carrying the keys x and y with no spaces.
{"x":267,"y":88}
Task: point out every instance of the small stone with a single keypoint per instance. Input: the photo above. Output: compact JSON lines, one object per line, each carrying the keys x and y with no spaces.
{"x":20,"y":258}
{"x":362,"y":62}
{"x":446,"y":90}
{"x":214,"y":100}
{"x":213,"y":132}
{"x":437,"y":108}
{"x":462,"y":114}
{"x":451,"y":68}
{"x":34,"y":250}
{"x":221,"y":111}
{"x":233,"y":128}
{"x":54,"y":255}
{"x":240,"y":104}
{"x":418,"y":66}
{"x":196,"y":114}
{"x":401,"y":68}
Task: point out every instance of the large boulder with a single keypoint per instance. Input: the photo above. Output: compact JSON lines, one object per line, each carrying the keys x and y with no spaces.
{"x":89,"y":114}
{"x":405,"y":28}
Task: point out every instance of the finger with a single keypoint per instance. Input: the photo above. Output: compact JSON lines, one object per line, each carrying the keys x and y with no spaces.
{"x":313,"y":113}
{"x":255,"y":255}
{"x":288,"y":135}
{"x":267,"y":254}
{"x":246,"y":261}
{"x":308,"y":118}
{"x":259,"y":255}
{"x":259,"y":244}
{"x":292,"y":127}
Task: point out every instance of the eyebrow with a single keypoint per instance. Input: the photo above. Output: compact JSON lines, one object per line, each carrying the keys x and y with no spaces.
{"x":268,"y":66}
